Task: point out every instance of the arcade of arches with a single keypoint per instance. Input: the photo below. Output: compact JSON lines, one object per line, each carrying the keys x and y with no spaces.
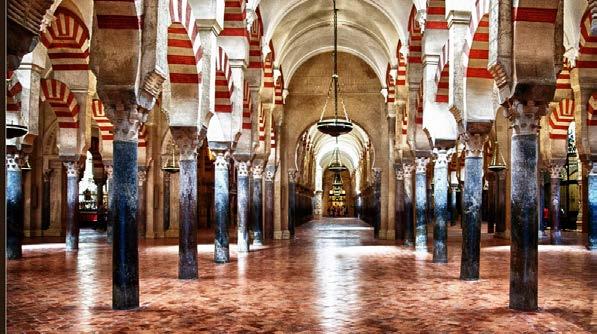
{"x":163,"y":156}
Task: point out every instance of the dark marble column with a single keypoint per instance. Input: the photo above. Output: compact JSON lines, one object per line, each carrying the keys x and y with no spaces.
{"x":242,"y":197}
{"x":421,"y":204}
{"x":554,"y":208}
{"x":409,"y":224}
{"x":108,"y":167}
{"x":166,"y":201}
{"x":592,"y":204}
{"x":268,"y":199}
{"x":500,"y":209}
{"x":490,"y":205}
{"x":100,"y":199}
{"x":453,"y":204}
{"x":523,"y":200}
{"x":14,"y":207}
{"x":399,"y":203}
{"x":257,"y":204}
{"x":222,"y":208}
{"x":187,"y":140}
{"x":472,"y":197}
{"x":125,"y":199}
{"x":142,"y":180}
{"x":72,"y":196}
{"x":440,"y":209}
{"x":292,"y":175}
{"x":46,"y":219}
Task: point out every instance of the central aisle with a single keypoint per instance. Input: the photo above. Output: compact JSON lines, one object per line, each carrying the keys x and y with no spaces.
{"x":334,"y":277}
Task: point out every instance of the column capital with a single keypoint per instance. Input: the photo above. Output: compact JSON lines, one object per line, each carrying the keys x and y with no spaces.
{"x":221,"y":161}
{"x":187,"y":140}
{"x":127,"y":120}
{"x":109,"y":168}
{"x":442,"y":157}
{"x":12,"y":162}
{"x":292,"y":175}
{"x":592,"y":167}
{"x":270,"y":173}
{"x":377,"y":175}
{"x":142,"y":176}
{"x":72,"y":168}
{"x":474,"y":143}
{"x":408,"y":169}
{"x":242,"y":168}
{"x":399,"y":172}
{"x":524,"y":118}
{"x":257,"y":171}
{"x":421,"y":165}
{"x":47,"y":174}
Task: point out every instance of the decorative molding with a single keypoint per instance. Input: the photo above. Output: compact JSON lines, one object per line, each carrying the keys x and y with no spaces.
{"x":152,"y":86}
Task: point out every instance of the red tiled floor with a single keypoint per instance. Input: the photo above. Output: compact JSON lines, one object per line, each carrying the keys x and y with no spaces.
{"x":333,"y":278}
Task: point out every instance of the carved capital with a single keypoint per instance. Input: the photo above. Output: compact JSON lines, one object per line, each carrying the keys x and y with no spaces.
{"x":221,"y":161}
{"x":474,"y":144}
{"x":399,"y":172}
{"x":141,"y":176}
{"x":187,"y":140}
{"x":442,"y":157}
{"x":408,"y":169}
{"x":126,"y":120}
{"x":555,"y":170}
{"x":257,"y":171}
{"x":72,"y":168}
{"x":270,"y":173}
{"x":593,"y":167}
{"x":377,"y":173}
{"x":524,"y":119}
{"x":421,"y":165}
{"x":242,"y":169}
{"x":13,"y":162}
{"x":292,"y":175}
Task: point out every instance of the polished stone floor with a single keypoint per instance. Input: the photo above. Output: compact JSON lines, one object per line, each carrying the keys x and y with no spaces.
{"x":332,"y":278}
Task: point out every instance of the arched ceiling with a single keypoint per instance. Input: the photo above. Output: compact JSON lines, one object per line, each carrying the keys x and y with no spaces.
{"x":369,"y":29}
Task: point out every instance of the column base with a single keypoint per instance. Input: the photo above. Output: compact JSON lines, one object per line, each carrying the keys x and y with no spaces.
{"x":421,"y":249}
{"x":391,"y":235}
{"x":286,"y":234}
{"x":556,"y":237}
{"x":278,"y":235}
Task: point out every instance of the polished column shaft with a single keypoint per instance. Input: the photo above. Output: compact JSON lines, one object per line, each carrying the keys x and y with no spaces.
{"x":14,"y":207}
{"x":268,"y":194}
{"x":72,"y":196}
{"x":187,"y":212}
{"x":242,"y":200}
{"x":257,"y":205}
{"x":399,"y":206}
{"x":222,"y":208}
{"x":440,"y":209}
{"x":409,"y":234}
{"x":421,"y":204}
{"x":554,"y":208}
{"x":292,"y":174}
{"x":453,"y":205}
{"x":592,"y":204}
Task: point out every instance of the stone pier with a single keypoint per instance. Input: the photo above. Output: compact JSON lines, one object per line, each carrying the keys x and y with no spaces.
{"x":440,"y":209}
{"x":421,"y":204}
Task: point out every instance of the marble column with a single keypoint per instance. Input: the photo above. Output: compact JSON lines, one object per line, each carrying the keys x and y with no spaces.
{"x":166,"y":201}
{"x":72,"y":196}
{"x":524,"y":197}
{"x":257,"y":204}
{"x":125,"y":252}
{"x":440,"y":209}
{"x":14,"y":207}
{"x":376,"y":205}
{"x":46,"y":207}
{"x":409,"y":224}
{"x":222,"y":208}
{"x":292,"y":175}
{"x":472,"y":197}
{"x":242,"y":200}
{"x":100,"y":199}
{"x":268,"y":198}
{"x":108,"y":167}
{"x":453,"y":204}
{"x":141,"y":221}
{"x":592,"y":204}
{"x":421,"y":204}
{"x":500,"y":209}
{"x":554,"y":207}
{"x":186,"y":138}
{"x":399,"y":206}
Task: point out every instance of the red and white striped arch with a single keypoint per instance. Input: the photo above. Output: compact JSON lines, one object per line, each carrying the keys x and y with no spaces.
{"x":268,"y":68}
{"x":436,"y":15}
{"x":184,"y":45}
{"x":100,"y":117}
{"x":476,"y":47}
{"x":224,"y":85}
{"x":563,"y":83}
{"x":442,"y":76}
{"x":279,"y":89}
{"x":255,"y":37}
{"x":414,"y":38}
{"x":234,"y":19}
{"x":391,"y":84}
{"x":401,"y":77}
{"x":67,"y":41}
{"x":63,"y":102}
{"x":560,"y":118}
{"x":247,"y":107}
{"x":587,"y":57}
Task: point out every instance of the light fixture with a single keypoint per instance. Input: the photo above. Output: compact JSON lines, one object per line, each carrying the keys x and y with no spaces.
{"x":497,"y":163}
{"x":336,"y":165}
{"x":15,"y":130}
{"x":26,"y":165}
{"x":171,"y":166}
{"x":336,"y":126}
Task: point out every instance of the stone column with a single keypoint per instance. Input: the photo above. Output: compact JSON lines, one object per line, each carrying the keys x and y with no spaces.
{"x":472,"y":196}
{"x":46,"y":219}
{"x":524,"y":197}
{"x":268,"y":194}
{"x":440,"y":209}
{"x":110,"y":210}
{"x":453,"y":204}
{"x":125,"y":252}
{"x":72,"y":196}
{"x":292,"y":175}
{"x":376,"y":205}
{"x":500,"y":209}
{"x":554,"y":208}
{"x":222,"y":208}
{"x":592,"y":204}
{"x":100,"y":199}
{"x":421,"y":204}
{"x":14,"y":207}
{"x":187,"y":140}
{"x":242,"y":197}
{"x":166,"y":201}
{"x":141,"y":221}
{"x":409,"y":234}
{"x":257,"y":204}
{"x":399,"y":206}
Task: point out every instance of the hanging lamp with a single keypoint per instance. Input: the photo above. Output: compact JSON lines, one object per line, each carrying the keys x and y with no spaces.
{"x":336,"y":165}
{"x":335,"y":126}
{"x":171,"y":166}
{"x":497,"y":163}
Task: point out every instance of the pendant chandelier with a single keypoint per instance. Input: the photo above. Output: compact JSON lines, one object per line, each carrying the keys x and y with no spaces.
{"x":336,"y":165}
{"x":335,"y":126}
{"x":171,"y":166}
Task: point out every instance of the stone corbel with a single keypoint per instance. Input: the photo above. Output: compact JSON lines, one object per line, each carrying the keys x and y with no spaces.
{"x":150,"y":91}
{"x":500,"y":60}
